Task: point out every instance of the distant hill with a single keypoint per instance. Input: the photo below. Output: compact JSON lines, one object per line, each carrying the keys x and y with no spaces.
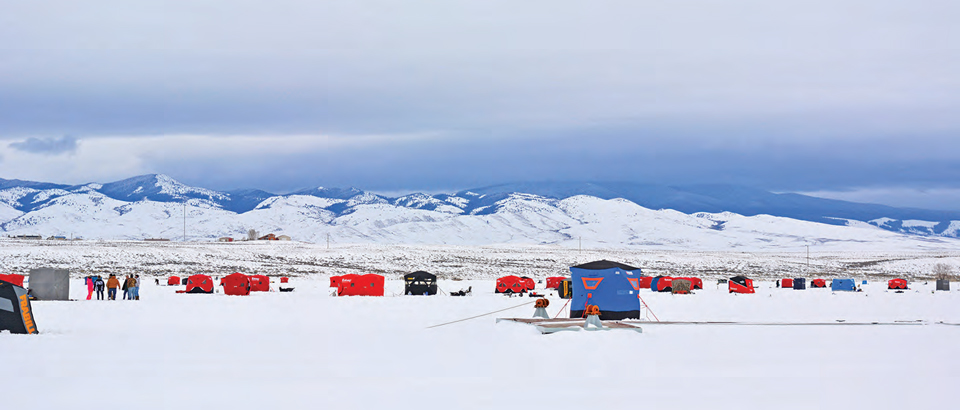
{"x":154,"y":206}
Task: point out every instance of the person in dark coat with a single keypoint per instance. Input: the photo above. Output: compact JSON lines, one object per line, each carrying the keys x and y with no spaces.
{"x":125,"y":287}
{"x":98,"y":286}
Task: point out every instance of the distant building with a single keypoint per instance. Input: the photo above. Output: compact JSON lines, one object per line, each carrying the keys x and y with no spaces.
{"x":225,"y":239}
{"x":268,"y":237}
{"x":32,"y":237}
{"x":284,"y":238}
{"x":156,"y":240}
{"x":57,"y":238}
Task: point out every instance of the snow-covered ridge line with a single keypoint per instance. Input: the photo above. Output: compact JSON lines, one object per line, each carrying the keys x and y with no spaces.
{"x":157,"y":206}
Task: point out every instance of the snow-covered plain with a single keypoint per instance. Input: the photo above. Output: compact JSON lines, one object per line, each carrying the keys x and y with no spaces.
{"x":914,"y":260}
{"x":307,"y":349}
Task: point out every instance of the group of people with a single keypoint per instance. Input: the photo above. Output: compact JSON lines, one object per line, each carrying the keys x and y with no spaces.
{"x":130,"y":287}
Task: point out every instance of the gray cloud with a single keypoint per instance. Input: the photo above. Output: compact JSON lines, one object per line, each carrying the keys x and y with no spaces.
{"x":50,"y":146}
{"x":788,"y":95}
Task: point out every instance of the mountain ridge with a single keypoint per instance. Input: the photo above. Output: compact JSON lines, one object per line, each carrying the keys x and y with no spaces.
{"x":27,"y":200}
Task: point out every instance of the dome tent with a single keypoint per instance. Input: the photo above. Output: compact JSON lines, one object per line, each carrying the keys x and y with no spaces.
{"x":420,"y":283}
{"x":199,"y":284}
{"x":510,"y":284}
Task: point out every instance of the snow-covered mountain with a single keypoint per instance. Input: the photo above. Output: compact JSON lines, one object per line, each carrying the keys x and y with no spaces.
{"x":157,"y":206}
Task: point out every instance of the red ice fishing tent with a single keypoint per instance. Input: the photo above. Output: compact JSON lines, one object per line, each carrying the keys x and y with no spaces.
{"x":661,"y":284}
{"x":173,"y":281}
{"x":284,"y":280}
{"x":740,"y":284}
{"x":897,"y":283}
{"x":199,"y":284}
{"x":553,"y":282}
{"x":361,"y":285}
{"x":335,"y":281}
{"x":236,"y":284}
{"x":644,"y":282}
{"x":528,"y":283}
{"x":510,"y":284}
{"x":818,"y":283}
{"x":12,"y":278}
{"x":259,"y":283}
{"x":786,"y":283}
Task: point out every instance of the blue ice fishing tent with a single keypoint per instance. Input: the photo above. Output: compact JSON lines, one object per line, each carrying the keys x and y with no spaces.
{"x":847,"y":285}
{"x":611,"y":286}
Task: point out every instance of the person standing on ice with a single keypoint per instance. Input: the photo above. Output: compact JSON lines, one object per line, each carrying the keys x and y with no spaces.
{"x":98,"y":286}
{"x":89,"y":282}
{"x":112,"y":285}
{"x":125,"y":287}
{"x":136,"y":288}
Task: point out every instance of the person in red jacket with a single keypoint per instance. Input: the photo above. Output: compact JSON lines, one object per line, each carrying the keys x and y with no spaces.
{"x":89,"y":282}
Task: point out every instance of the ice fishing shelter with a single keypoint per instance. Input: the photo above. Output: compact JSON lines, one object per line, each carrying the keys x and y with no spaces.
{"x":50,"y":284}
{"x":799,"y":284}
{"x":335,"y":281}
{"x":786,"y":283}
{"x":16,"y":313}
{"x":199,"y":284}
{"x":236,"y":284}
{"x":420,"y":283}
{"x":173,"y":281}
{"x":847,"y":285}
{"x":259,"y":283}
{"x":740,"y":284}
{"x":661,"y":284}
{"x":695,"y":283}
{"x":643,"y":282}
{"x":818,"y":283}
{"x":681,"y":286}
{"x":510,"y":284}
{"x":565,"y":290}
{"x":528,"y":283}
{"x":611,"y":286}
{"x":897,"y":283}
{"x":12,"y":278}
{"x":553,"y":282}
{"x":361,"y":285}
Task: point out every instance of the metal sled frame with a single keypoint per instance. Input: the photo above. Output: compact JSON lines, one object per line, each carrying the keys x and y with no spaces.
{"x":548,"y":326}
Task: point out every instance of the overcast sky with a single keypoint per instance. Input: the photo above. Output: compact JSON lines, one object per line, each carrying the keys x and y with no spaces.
{"x":848,"y":99}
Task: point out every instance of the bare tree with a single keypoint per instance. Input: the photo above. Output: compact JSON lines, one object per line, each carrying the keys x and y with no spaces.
{"x":942,"y":271}
{"x":252,"y":235}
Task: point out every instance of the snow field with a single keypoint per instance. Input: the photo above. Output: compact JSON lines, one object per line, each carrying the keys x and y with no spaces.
{"x":307,"y":349}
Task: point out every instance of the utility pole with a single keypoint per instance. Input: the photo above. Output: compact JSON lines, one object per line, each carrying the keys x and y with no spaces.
{"x":328,"y":241}
{"x":581,"y":244}
{"x":184,"y":221}
{"x":808,"y":258}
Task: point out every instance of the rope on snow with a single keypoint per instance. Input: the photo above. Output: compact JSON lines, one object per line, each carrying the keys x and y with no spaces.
{"x":485,"y":314}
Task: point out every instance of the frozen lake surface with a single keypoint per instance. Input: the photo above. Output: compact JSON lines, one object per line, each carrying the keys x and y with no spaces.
{"x":308,"y":349}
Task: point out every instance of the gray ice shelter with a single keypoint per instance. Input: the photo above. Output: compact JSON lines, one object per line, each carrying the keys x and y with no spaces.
{"x":50,"y":284}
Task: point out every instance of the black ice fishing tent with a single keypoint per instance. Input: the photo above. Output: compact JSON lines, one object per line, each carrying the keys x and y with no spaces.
{"x":16,"y":314}
{"x":420,"y":283}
